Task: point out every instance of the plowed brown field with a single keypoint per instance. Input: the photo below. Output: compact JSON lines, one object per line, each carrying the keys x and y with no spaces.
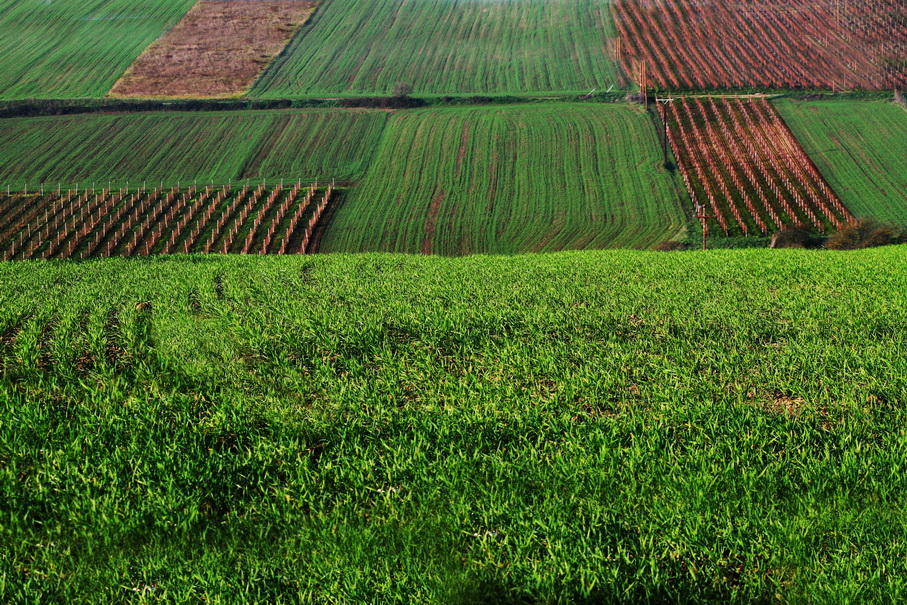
{"x":217,"y":50}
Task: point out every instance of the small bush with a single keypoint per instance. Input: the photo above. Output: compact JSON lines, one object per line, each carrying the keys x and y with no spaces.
{"x":795,"y":238}
{"x":401,"y":89}
{"x":866,"y":233}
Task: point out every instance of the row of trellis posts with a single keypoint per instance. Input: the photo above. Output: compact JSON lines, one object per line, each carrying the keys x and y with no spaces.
{"x":77,"y":214}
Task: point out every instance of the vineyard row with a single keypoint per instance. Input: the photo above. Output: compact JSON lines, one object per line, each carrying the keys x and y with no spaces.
{"x":739,"y":160}
{"x":211,"y":219}
{"x":742,"y":44}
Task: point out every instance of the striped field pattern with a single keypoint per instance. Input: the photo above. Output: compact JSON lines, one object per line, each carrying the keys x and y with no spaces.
{"x":740,"y":161}
{"x":447,"y":46}
{"x":765,"y":44}
{"x":252,"y":219}
{"x":202,"y":146}
{"x":861,"y":148}
{"x":76,"y":48}
{"x":512,"y":179}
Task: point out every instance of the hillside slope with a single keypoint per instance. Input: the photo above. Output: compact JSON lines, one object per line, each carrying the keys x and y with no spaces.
{"x":592,"y":426}
{"x":860,"y":148}
{"x":507,"y":179}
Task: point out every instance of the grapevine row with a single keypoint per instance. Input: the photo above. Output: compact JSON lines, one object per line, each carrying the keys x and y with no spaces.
{"x":808,"y":44}
{"x":747,"y":164}
{"x":86,"y":223}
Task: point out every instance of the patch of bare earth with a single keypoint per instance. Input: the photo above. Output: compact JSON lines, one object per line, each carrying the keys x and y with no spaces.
{"x":785,"y":405}
{"x":218,"y":49}
{"x":431,"y":223}
{"x":794,"y":407}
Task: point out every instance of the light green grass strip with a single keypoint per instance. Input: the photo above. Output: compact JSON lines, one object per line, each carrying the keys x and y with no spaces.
{"x":860,"y":147}
{"x":512,"y":179}
{"x":213,"y":146}
{"x":447,"y":46}
{"x":76,"y":48}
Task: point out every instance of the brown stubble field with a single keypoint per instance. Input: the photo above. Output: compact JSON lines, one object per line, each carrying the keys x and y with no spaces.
{"x":217,"y":49}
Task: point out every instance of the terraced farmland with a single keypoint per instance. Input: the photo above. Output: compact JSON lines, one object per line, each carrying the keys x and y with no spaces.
{"x":860,"y":147}
{"x":69,"y":48}
{"x":203,"y":147}
{"x":512,"y":179}
{"x":252,"y":219}
{"x":462,"y":46}
{"x":740,"y":161}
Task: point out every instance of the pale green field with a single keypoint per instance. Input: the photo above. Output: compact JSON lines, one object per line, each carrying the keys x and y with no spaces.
{"x":860,"y":148}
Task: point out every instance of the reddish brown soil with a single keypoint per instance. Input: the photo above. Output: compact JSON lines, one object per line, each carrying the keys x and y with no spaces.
{"x":431,"y":223}
{"x":217,"y":49}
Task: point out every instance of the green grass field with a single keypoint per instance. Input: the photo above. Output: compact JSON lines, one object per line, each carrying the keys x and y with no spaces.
{"x":860,"y":148}
{"x":76,"y":48}
{"x":214,"y":146}
{"x":447,"y":47}
{"x":577,"y":427}
{"x":512,"y":179}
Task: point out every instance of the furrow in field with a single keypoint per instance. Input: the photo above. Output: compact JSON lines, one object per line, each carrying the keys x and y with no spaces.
{"x":511,"y":179}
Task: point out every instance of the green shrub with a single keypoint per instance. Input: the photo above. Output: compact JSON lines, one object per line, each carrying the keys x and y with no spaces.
{"x":866,"y":233}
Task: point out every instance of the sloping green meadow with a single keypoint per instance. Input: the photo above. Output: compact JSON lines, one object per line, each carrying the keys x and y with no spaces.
{"x":860,"y":148}
{"x":76,"y":48}
{"x":497,"y":179}
{"x":212,"y":146}
{"x":447,"y":47}
{"x":577,"y":427}
{"x":508,"y":179}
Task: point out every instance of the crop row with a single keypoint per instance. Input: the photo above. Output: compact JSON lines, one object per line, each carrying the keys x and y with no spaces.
{"x":178,"y":148}
{"x":479,"y":47}
{"x":89,"y":223}
{"x":860,"y":148}
{"x":511,"y":179}
{"x":740,"y":159}
{"x":76,"y":48}
{"x":777,"y":44}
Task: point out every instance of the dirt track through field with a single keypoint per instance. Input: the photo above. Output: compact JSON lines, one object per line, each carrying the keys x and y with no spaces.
{"x":217,"y":49}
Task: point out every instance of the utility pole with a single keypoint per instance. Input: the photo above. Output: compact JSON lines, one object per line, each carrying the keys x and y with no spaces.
{"x":664,"y":123}
{"x":645,"y":82}
{"x":704,"y":218}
